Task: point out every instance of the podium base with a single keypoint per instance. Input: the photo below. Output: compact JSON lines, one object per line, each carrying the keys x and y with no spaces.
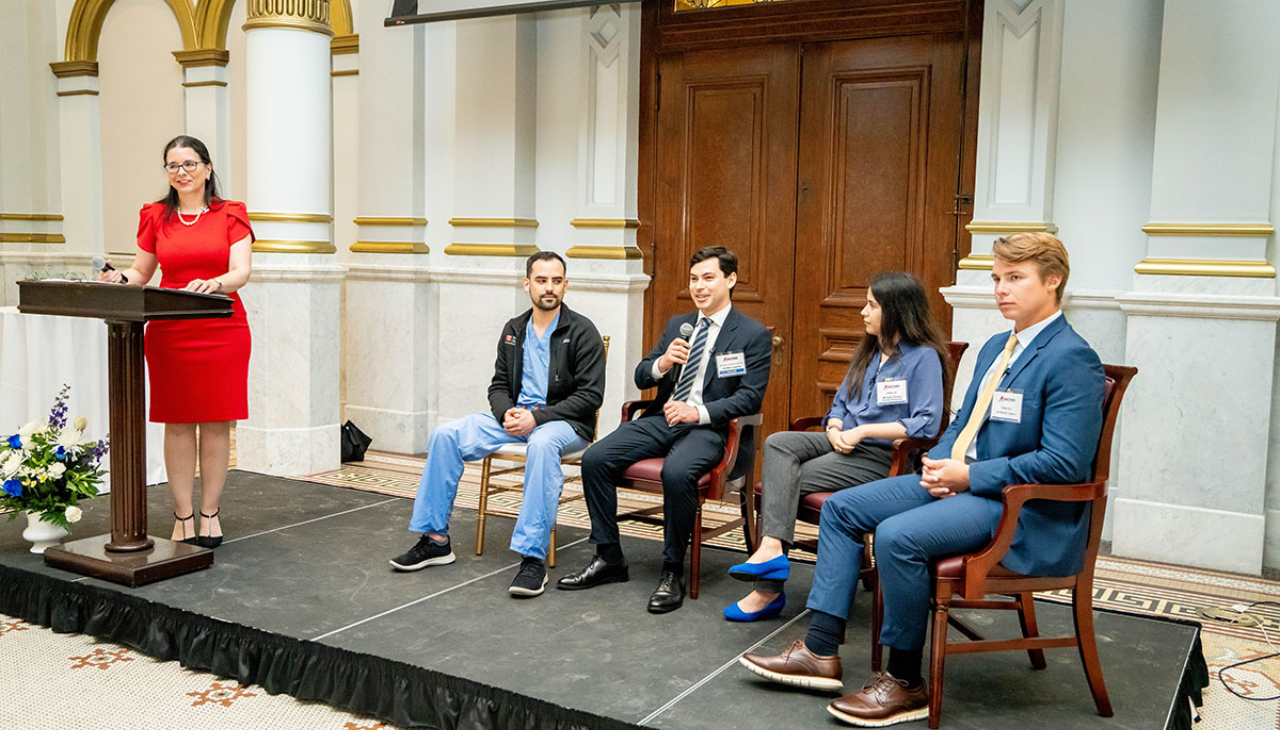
{"x":90,"y":557}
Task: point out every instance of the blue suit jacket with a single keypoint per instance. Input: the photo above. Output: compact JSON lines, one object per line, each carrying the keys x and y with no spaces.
{"x":1061,"y":380}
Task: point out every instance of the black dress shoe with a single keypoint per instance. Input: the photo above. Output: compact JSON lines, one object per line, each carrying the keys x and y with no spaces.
{"x":597,"y":573}
{"x":669,"y":594}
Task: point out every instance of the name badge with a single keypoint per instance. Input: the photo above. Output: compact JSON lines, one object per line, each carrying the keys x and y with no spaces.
{"x":891,"y":392}
{"x":1007,"y":406}
{"x":731,"y":364}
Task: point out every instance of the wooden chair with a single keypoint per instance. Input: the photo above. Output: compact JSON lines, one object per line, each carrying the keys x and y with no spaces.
{"x":517,"y":452}
{"x":731,"y":473}
{"x":964,"y":581}
{"x":810,"y":509}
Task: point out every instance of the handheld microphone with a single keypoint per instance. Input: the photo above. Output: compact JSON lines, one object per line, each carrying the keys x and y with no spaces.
{"x":100,"y":264}
{"x":686,"y":330}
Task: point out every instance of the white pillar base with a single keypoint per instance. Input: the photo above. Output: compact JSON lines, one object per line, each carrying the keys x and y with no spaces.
{"x":1189,"y":535}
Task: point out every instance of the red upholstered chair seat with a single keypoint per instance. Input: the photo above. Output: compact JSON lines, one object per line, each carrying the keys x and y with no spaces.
{"x":650,"y":470}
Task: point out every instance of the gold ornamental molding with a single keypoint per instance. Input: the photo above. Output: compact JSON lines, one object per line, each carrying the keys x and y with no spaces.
{"x":30,"y":217}
{"x":1249,"y":269}
{"x":266,"y":246}
{"x":202,"y":57}
{"x":389,"y":221}
{"x":683,"y":5}
{"x":198,"y":84}
{"x":79,"y":92}
{"x":346,"y":72}
{"x":32,"y":238}
{"x":609,"y":253}
{"x":84,"y":28}
{"x":604,"y":223}
{"x":1006,"y":227}
{"x":71,"y":69}
{"x":490,"y":249}
{"x":344,"y":44}
{"x":390,"y":247}
{"x":290,"y":217}
{"x":1208,"y":229}
{"x":494,"y":222}
{"x":310,"y":15}
{"x":977,"y":262}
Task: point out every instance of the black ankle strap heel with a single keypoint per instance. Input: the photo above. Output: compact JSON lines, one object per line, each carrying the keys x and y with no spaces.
{"x":208,"y":541}
{"x":185,"y":539}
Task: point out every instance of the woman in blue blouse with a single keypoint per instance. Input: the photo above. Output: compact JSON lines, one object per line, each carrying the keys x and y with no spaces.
{"x":895,"y":389}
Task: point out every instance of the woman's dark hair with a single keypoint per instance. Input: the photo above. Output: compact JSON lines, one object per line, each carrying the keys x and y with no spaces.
{"x":904,"y":317}
{"x":211,"y":198}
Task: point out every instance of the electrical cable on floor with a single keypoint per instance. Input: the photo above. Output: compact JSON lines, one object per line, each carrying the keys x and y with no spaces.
{"x":1242,"y":609}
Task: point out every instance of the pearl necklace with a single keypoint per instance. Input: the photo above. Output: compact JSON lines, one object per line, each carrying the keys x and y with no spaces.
{"x":197,"y":218}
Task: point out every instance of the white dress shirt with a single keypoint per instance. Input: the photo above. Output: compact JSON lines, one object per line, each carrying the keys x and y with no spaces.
{"x":1024,"y":341}
{"x":695,"y":395}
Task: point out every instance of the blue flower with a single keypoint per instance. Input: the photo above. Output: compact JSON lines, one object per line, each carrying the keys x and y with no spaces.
{"x":13,"y":487}
{"x":15,"y":441}
{"x":61,"y":453}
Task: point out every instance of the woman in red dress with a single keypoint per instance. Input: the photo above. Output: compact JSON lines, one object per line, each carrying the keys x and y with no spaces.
{"x":198,"y":368}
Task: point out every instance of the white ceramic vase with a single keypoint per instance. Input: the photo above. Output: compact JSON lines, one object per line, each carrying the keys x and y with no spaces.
{"x":42,"y":534}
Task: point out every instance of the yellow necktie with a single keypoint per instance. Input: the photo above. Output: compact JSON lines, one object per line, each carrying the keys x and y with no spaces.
{"x":979,"y":414}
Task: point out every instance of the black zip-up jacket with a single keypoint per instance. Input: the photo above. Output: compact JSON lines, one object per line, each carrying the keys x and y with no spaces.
{"x":575,"y":385}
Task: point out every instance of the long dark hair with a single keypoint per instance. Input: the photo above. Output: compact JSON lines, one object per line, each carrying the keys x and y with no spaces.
{"x":211,"y":198}
{"x":904,"y":317}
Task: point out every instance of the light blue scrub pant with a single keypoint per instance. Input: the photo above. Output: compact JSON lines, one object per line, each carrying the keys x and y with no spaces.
{"x":476,"y":436}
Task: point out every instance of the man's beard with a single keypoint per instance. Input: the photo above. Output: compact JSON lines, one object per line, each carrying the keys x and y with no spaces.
{"x":542,"y":304}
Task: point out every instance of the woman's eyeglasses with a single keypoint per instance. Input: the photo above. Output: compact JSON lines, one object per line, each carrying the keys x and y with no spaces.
{"x":190,"y":166}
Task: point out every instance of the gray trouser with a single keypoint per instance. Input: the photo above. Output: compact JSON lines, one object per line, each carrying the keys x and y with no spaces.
{"x":797,"y":463}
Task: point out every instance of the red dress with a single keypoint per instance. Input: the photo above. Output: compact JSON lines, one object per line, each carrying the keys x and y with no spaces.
{"x":198,"y":368}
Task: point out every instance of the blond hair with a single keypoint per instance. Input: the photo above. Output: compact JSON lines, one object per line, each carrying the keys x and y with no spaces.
{"x":1048,"y":253}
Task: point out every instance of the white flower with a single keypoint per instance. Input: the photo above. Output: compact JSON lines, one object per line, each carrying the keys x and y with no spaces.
{"x":80,"y":424}
{"x":57,"y":470}
{"x":74,"y":514}
{"x":26,"y":431}
{"x":70,"y":438}
{"x":11,"y":465}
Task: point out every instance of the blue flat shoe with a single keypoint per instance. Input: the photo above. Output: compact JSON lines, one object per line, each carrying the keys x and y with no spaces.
{"x":777,"y":569}
{"x":733,"y":613}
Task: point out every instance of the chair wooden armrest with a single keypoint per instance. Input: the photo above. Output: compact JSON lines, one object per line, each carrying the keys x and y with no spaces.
{"x":632,"y":407}
{"x":805,"y":423}
{"x":979,"y":566}
{"x":902,"y":450}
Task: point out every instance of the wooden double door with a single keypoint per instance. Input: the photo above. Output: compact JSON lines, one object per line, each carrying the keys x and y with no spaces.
{"x":819,"y":164}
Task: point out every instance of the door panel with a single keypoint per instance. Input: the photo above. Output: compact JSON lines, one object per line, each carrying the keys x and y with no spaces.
{"x":879,"y":133}
{"x":727,"y":176}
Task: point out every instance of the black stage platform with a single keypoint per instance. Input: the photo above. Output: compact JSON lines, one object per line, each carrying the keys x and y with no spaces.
{"x":301,"y":600}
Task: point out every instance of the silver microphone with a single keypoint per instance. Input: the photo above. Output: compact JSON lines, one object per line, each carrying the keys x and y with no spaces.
{"x":100,"y":264}
{"x":686,"y":330}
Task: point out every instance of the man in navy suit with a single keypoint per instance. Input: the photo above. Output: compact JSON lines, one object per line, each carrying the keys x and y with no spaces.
{"x":1032,"y":415}
{"x":705,"y":379}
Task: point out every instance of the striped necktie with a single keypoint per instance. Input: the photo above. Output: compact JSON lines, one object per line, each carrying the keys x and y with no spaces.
{"x":689,"y":374}
{"x":979,"y":414}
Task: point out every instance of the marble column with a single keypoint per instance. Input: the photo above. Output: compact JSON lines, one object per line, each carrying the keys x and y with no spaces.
{"x":606,"y":268}
{"x":80,"y":122}
{"x":1203,"y":310}
{"x":1017,"y":148}
{"x":389,"y":328}
{"x":293,"y":298}
{"x":207,"y":107}
{"x":493,"y":226}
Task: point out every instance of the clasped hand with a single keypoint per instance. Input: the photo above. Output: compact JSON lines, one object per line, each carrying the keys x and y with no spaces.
{"x":680,"y":412}
{"x":844,"y":441}
{"x":945,"y":477}
{"x":518,"y":422}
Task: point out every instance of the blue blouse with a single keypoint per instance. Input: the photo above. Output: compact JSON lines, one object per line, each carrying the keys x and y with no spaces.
{"x":921,"y":415}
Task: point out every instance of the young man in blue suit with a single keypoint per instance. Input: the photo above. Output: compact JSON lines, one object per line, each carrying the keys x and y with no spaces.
{"x":1032,"y":415}
{"x":715,"y":370}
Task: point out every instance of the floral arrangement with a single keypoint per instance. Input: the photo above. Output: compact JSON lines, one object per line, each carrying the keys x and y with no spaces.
{"x":48,"y":470}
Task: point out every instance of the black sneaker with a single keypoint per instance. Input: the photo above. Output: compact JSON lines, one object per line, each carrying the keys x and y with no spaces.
{"x":423,"y":554}
{"x":531,"y":580}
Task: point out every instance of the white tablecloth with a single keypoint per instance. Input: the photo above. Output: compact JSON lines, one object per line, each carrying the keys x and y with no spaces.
{"x":38,"y":354}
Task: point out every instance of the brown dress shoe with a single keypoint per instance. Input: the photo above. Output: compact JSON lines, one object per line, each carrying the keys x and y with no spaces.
{"x":798,"y":667}
{"x":883,"y":701}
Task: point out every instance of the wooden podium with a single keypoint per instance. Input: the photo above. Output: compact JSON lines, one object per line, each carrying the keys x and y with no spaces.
{"x":127,"y":555}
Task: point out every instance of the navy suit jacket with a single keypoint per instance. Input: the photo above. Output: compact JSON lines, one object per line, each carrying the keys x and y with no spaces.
{"x":725,"y":398}
{"x":1061,"y":380}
